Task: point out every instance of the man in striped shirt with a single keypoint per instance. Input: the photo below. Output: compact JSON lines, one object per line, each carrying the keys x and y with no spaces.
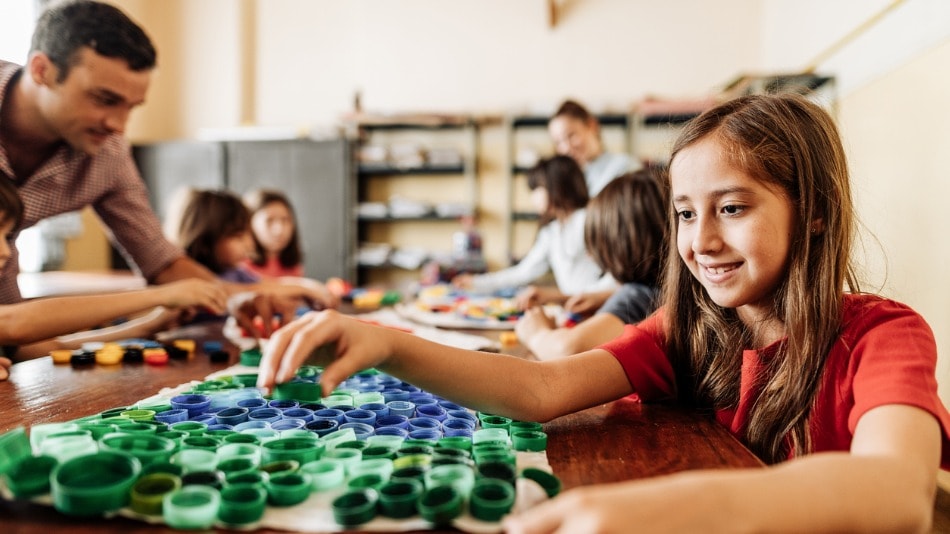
{"x":62,"y":119}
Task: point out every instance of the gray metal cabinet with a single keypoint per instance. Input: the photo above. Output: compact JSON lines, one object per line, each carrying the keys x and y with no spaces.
{"x":317,"y":176}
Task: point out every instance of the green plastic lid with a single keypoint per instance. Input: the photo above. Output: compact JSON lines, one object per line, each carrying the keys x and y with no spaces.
{"x":94,"y":484}
{"x":191,"y":507}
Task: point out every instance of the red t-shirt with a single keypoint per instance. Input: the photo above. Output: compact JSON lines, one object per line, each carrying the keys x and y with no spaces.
{"x":886,"y":355}
{"x":274,"y":269}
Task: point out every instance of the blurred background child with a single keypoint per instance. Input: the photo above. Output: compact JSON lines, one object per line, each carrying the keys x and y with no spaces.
{"x":559,"y":193}
{"x":28,"y":329}
{"x":274,"y":229}
{"x":576,"y":133}
{"x":214,"y":229}
{"x":625,"y":232}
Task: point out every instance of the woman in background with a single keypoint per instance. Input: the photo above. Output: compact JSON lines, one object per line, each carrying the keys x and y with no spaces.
{"x":576,"y":133}
{"x":274,"y":229}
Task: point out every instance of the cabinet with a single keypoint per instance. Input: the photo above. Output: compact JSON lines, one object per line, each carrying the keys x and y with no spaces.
{"x":528,"y":140}
{"x":315,"y":175}
{"x":416,"y":178}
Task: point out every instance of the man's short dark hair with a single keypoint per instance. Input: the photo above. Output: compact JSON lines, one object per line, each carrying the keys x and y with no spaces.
{"x":65,"y":28}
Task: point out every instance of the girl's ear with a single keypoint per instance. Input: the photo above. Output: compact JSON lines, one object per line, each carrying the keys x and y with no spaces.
{"x":818,"y":226}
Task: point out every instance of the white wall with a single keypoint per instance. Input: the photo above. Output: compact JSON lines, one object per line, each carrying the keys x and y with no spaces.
{"x":894,"y":115}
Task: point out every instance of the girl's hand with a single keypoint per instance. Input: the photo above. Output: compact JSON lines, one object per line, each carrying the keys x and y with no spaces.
{"x":463,"y":281}
{"x":646,"y":506}
{"x":586,"y":303}
{"x":341,"y":344}
{"x":5,"y":365}
{"x":531,"y":323}
{"x":528,"y":297}
{"x":195,"y":292}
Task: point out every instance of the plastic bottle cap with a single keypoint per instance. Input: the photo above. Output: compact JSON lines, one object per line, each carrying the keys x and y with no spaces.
{"x":242,"y":504}
{"x":397,"y":498}
{"x":439,"y":505}
{"x":148,"y":492}
{"x":355,"y":507}
{"x":191,"y":507}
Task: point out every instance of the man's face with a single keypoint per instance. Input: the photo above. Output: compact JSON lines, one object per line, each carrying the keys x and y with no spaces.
{"x":93,"y":102}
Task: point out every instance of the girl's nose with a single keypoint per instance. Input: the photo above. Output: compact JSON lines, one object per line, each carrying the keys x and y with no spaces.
{"x":706,"y":238}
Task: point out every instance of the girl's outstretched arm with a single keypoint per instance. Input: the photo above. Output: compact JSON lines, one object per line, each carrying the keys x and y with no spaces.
{"x":495,"y":383}
{"x":35,"y":320}
{"x":539,"y":333}
{"x":885,"y":484}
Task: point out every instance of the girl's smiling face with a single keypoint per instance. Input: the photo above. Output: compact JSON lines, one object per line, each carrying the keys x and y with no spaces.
{"x":733,"y":232}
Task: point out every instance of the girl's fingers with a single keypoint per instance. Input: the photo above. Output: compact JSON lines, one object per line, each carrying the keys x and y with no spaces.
{"x":543,"y":518}
{"x":276,"y":352}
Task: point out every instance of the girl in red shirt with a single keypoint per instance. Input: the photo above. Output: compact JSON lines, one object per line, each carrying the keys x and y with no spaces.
{"x":762,"y":323}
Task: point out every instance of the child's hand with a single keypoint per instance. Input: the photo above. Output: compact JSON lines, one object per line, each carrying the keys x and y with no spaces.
{"x":348,"y":346}
{"x":5,"y":365}
{"x":529,"y":297}
{"x":463,"y":281}
{"x":652,"y":505}
{"x":586,"y":303}
{"x":316,"y":294}
{"x":195,"y":292}
{"x":533,"y":321}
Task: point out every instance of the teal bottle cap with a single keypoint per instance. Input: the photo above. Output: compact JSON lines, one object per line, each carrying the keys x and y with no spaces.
{"x":491,"y":499}
{"x":325,"y":474}
{"x":366,"y":481}
{"x":355,"y":507}
{"x":288,"y":489}
{"x":529,"y":440}
{"x":147,"y":448}
{"x":30,"y":476}
{"x":398,"y":498}
{"x":242,"y":504}
{"x":191,"y":507}
{"x":440,"y":505}
{"x":548,"y":481}
{"x":94,"y":484}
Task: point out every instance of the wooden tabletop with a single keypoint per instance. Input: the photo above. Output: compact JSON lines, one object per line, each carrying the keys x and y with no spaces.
{"x":621,"y":440}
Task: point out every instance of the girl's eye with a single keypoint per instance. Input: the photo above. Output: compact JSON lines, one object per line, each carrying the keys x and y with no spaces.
{"x":685,"y":215}
{"x":732,"y":209}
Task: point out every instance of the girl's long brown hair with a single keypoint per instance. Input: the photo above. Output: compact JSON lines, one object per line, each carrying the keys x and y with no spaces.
{"x":625,"y":227}
{"x":790,"y":143}
{"x":206,"y":217}
{"x":565,"y":184}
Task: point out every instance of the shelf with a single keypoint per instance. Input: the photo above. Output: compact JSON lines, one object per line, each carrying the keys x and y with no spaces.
{"x":673,"y":118}
{"x":525,"y":216}
{"x":385,"y":170}
{"x":427,"y":218}
{"x":539,"y":121}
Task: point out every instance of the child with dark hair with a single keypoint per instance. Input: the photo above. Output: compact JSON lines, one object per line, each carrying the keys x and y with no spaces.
{"x":762,"y":325}
{"x":214,"y":229}
{"x":28,"y":329}
{"x":560,"y":195}
{"x":625,"y":232}
{"x":274,"y":229}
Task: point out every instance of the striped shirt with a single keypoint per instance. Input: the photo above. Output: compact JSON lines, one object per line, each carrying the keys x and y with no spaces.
{"x":71,"y":180}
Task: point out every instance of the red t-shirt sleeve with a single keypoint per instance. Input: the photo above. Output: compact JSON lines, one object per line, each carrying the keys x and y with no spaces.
{"x":895,"y":358}
{"x":640,"y":351}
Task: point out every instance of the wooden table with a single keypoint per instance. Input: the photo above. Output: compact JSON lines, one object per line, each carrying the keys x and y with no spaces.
{"x":620,"y":440}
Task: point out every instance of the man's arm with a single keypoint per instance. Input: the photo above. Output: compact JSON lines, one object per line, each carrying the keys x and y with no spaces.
{"x":182,"y":268}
